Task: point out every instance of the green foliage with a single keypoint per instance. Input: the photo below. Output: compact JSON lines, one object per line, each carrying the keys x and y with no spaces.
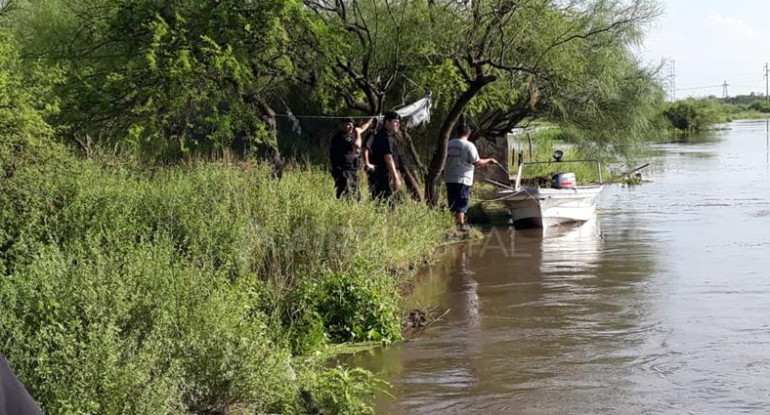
{"x":345,"y":391}
{"x":760,"y":106}
{"x":353,"y":308}
{"x":699,"y":114}
{"x":168,"y":79}
{"x":612,"y":105}
{"x":25,"y":102}
{"x":163,"y":79}
{"x":696,"y":114}
{"x":545,"y":142}
{"x":176,"y":290}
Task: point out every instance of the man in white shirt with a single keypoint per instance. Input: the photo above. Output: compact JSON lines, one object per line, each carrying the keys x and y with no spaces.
{"x":462,"y":158}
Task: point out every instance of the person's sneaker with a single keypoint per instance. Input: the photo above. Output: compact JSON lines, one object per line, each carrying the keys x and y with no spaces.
{"x":464,"y":227}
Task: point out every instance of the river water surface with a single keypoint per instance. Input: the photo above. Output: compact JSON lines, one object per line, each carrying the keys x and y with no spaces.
{"x":661,"y":305}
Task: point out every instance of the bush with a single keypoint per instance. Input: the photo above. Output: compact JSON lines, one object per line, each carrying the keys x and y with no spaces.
{"x":190,"y":289}
{"x":697,"y":114}
{"x":760,"y":106}
{"x":360,"y":307}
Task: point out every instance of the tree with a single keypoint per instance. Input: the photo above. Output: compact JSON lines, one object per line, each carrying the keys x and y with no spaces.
{"x":26,"y":100}
{"x":166,"y":78}
{"x":527,"y":52}
{"x":498,"y":62}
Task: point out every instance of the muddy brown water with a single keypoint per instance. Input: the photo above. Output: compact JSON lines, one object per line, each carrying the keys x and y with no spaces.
{"x":661,"y":305}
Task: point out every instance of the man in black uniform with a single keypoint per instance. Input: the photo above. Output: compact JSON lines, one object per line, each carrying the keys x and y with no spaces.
{"x":14,"y":399}
{"x":344,"y":155}
{"x":381,"y":152}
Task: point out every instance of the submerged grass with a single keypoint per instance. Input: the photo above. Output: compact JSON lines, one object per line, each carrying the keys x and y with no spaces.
{"x":195,"y":289}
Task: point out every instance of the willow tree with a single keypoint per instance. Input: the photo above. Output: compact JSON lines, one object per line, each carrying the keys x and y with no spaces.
{"x":164,"y":78}
{"x":591,"y":85}
{"x":366,"y":62}
{"x":498,"y":62}
{"x":517,"y":57}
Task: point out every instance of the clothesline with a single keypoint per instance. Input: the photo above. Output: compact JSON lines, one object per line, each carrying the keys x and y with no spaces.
{"x":328,"y":117}
{"x":418,"y":113}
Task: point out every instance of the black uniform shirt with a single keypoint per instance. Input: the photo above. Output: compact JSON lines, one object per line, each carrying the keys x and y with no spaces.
{"x":341,"y":153}
{"x":382,"y":144}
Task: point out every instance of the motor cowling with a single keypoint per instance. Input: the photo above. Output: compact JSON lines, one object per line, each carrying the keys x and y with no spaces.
{"x":563,"y":181}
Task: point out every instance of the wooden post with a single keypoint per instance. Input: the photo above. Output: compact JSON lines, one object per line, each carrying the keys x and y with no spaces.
{"x":529,"y":138}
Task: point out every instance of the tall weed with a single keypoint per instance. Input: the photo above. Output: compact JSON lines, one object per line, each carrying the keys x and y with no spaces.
{"x":193,"y":289}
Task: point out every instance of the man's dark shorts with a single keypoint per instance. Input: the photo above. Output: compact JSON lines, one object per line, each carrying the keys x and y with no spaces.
{"x":459,"y":196}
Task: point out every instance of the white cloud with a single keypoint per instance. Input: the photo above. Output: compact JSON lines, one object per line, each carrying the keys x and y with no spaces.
{"x":730,"y":25}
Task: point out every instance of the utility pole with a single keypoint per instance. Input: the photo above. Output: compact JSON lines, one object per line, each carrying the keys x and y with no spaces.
{"x":724,"y":90}
{"x":767,"y":82}
{"x":673,"y":80}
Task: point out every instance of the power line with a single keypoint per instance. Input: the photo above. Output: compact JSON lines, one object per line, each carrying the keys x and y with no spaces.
{"x":701,"y":87}
{"x":722,"y":85}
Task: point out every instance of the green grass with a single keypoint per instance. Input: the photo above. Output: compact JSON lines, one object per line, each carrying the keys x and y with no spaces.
{"x":545,"y":142}
{"x":196,"y":289}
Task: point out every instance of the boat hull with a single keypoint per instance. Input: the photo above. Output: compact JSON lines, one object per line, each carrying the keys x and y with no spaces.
{"x":544,"y":208}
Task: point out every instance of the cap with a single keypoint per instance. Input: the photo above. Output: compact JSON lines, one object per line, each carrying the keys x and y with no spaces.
{"x":392,"y":115}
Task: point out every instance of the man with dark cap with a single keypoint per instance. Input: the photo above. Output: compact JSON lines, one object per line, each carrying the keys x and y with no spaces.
{"x":344,"y":154}
{"x":383,"y":156}
{"x":14,"y":399}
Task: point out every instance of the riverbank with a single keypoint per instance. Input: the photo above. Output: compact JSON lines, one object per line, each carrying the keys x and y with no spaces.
{"x":195,"y":289}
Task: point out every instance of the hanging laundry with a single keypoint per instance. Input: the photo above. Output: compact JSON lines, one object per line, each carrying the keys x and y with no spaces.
{"x":417,"y":113}
{"x":295,"y":127}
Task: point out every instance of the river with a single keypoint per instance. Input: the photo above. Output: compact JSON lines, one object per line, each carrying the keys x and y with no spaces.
{"x":661,"y":305}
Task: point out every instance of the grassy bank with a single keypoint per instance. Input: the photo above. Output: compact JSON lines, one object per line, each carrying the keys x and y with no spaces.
{"x":194,"y":290}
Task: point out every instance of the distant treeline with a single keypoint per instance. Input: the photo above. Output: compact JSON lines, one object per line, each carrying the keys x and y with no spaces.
{"x":698,"y":114}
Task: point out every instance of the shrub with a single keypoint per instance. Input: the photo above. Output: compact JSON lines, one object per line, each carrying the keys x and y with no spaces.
{"x":697,"y":114}
{"x":193,"y":289}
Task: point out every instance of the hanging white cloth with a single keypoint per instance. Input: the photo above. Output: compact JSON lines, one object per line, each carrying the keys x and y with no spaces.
{"x":295,"y":127}
{"x":418,"y":113}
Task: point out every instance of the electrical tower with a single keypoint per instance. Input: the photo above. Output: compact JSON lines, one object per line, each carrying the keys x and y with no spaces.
{"x":672,"y":80}
{"x":767,"y":83}
{"x":724,"y":90}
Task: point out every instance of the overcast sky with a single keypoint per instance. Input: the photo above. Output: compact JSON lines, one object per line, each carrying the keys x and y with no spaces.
{"x":712,"y":41}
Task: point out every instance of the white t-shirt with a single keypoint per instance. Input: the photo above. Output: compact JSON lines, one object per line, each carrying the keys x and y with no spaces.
{"x":461,"y":154}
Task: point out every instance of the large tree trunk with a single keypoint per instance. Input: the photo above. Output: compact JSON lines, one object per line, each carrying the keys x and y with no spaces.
{"x":412,"y":184}
{"x":411,"y":170}
{"x":438,"y":161}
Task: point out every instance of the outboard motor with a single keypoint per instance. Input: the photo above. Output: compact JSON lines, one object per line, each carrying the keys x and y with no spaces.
{"x":563,"y":180}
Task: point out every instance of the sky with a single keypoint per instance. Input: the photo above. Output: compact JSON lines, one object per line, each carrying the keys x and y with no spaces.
{"x":710,"y":42}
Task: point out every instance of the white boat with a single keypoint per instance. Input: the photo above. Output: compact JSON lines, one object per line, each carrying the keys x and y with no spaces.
{"x":538,"y":207}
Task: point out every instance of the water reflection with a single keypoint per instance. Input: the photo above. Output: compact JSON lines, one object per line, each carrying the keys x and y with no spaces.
{"x":658,"y":306}
{"x":528,"y":314}
{"x":463,"y":291}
